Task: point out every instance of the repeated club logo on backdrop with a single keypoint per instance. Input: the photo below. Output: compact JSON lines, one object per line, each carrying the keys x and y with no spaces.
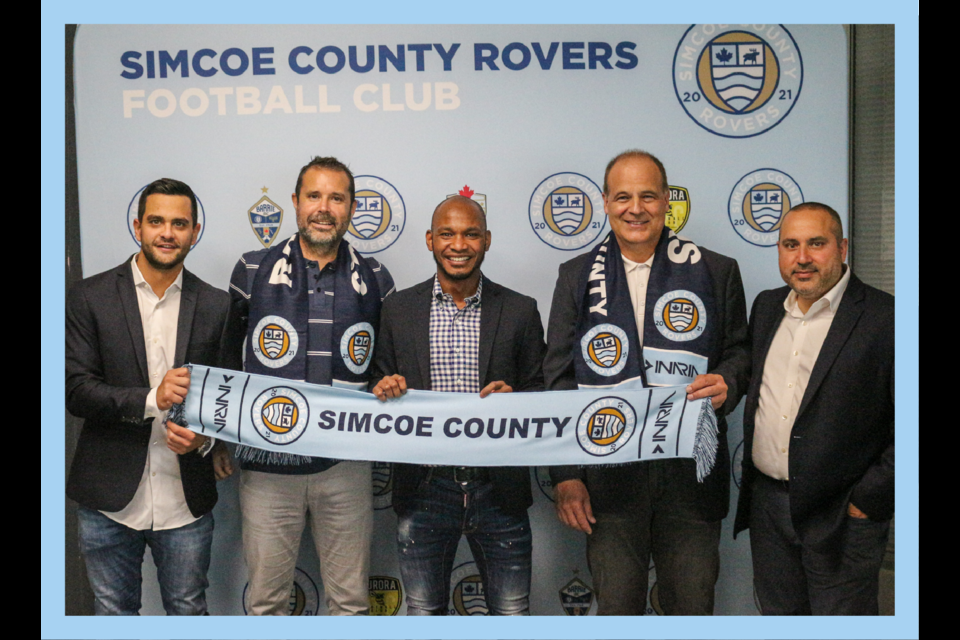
{"x":566,"y":211}
{"x":380,"y":216}
{"x":265,"y":217}
{"x":467,"y":595}
{"x":382,"y":473}
{"x":467,"y":192}
{"x":304,"y":596}
{"x":679,"y":210}
{"x":386,"y":595}
{"x":132,"y":215}
{"x":758,"y":202}
{"x":737,"y":81}
{"x":576,"y":598}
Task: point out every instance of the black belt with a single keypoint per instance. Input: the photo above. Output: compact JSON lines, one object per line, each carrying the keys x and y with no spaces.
{"x":462,"y":475}
{"x":782,"y":484}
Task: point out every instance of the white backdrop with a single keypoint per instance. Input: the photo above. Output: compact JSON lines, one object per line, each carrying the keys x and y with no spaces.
{"x":746,"y":118}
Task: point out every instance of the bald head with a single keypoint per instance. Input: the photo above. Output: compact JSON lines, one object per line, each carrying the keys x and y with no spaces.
{"x":460,"y":203}
{"x":836,"y":225}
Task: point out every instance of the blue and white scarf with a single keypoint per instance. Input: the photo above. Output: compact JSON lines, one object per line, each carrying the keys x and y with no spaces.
{"x":278,"y":327}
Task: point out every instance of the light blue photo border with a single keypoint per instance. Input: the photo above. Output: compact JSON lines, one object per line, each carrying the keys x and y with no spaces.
{"x":55,"y":14}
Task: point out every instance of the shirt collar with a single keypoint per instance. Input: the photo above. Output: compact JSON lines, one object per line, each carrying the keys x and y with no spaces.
{"x":830,"y":299}
{"x":139,"y":281}
{"x":629,"y":265}
{"x":440,"y":296}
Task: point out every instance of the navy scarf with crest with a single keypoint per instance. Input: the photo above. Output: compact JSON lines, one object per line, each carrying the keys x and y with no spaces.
{"x":679,"y":333}
{"x":278,"y":325}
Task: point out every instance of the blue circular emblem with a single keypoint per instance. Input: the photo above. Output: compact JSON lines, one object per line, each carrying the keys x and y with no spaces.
{"x":606,"y":426}
{"x":380,"y":216}
{"x":605,"y":349}
{"x":356,"y":347}
{"x":737,"y":82}
{"x":280,"y":415}
{"x":275,"y":341}
{"x":680,"y":316}
{"x":566,"y":211}
{"x":759,"y":201}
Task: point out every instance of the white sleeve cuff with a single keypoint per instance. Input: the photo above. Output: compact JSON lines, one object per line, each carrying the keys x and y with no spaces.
{"x":151,"y":410}
{"x":206,"y":447}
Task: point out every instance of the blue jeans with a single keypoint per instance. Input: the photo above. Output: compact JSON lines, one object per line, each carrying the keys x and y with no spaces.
{"x":428,"y":533}
{"x":114,"y":555}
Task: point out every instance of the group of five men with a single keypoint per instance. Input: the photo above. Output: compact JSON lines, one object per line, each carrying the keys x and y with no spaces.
{"x":815,"y":362}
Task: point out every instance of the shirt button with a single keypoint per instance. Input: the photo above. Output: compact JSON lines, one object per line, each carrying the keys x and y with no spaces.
{"x":458,"y":380}
{"x":783,"y":450}
{"x":804,"y":323}
{"x":796,"y":353}
{"x":790,"y":386}
{"x":153,"y":475}
{"x":783,"y":417}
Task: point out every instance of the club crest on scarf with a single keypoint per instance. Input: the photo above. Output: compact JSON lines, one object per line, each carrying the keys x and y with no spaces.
{"x":275,"y":341}
{"x":280,"y":415}
{"x":605,"y":349}
{"x":356,"y":347}
{"x":680,"y":316}
{"x":606,"y":425}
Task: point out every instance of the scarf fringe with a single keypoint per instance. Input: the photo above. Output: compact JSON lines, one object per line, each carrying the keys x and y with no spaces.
{"x":706,"y":443}
{"x":245,"y":453}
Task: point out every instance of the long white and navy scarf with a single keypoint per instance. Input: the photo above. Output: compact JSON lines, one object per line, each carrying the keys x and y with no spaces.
{"x":278,"y":327}
{"x":679,"y":332}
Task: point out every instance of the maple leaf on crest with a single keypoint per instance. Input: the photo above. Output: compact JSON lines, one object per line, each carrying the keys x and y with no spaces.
{"x":466,"y":191}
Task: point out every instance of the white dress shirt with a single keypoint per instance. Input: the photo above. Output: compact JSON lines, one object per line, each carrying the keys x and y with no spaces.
{"x":786,"y":371}
{"x":159,"y":502}
{"x":638,"y":275}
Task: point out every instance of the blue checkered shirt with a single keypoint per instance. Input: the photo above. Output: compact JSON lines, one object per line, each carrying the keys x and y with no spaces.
{"x":455,"y":342}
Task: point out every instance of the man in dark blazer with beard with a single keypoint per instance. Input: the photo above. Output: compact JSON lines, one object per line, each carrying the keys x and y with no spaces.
{"x":458,"y":331}
{"x":818,"y":466}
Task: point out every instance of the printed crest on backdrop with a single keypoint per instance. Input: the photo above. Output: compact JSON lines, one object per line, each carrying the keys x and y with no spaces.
{"x":606,"y":425}
{"x":566,"y":211}
{"x":265,"y":217}
{"x":304,"y":596}
{"x":680,"y":315}
{"x":467,"y":192}
{"x":542,"y":478}
{"x":576,"y":598}
{"x":605,"y":349}
{"x":280,"y":415}
{"x":467,"y":595}
{"x":356,"y":347}
{"x":386,"y":595}
{"x":679,"y":210}
{"x":758,"y":202}
{"x":382,"y":485}
{"x":380,"y":216}
{"x":275,"y":341}
{"x":653,"y":604}
{"x":736,"y":465}
{"x":135,"y":203}
{"x":737,"y":81}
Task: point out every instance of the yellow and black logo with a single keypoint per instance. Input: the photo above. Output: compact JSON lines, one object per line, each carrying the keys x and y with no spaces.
{"x":386,"y":595}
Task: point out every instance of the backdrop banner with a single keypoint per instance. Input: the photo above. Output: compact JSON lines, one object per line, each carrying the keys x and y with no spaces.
{"x":610,"y":426}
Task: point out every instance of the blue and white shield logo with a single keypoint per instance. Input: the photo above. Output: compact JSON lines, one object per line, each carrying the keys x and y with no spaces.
{"x":566,"y":210}
{"x":738,"y":72}
{"x":766,"y":206}
{"x":369,"y":215}
{"x":265,"y":220}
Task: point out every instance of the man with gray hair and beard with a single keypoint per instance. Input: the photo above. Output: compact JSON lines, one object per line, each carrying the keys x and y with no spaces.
{"x":294,"y":304}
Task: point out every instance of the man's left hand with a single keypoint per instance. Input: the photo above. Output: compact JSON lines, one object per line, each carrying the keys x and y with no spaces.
{"x":708,"y":385}
{"x":495,"y":387}
{"x":222,"y":466}
{"x":181,"y":440}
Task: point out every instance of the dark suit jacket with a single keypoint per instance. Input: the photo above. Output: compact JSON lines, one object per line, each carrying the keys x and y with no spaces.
{"x":841,"y":446}
{"x":107,"y":385}
{"x":611,"y":489}
{"x":511,"y":349}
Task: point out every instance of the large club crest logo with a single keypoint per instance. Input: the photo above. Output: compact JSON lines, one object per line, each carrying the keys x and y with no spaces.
{"x":759,"y":201}
{"x":275,"y":341}
{"x":265,"y":217}
{"x":739,"y":81}
{"x":680,"y":315}
{"x":380,"y":216}
{"x":566,"y":211}
{"x":605,"y":349}
{"x":280,"y":415}
{"x":133,"y":206}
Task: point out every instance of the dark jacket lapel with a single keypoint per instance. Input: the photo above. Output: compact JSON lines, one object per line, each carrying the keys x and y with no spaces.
{"x":421,"y":331}
{"x":131,"y":311}
{"x":769,"y":321}
{"x":188,"y":305}
{"x":491,"y":305}
{"x":848,"y":313}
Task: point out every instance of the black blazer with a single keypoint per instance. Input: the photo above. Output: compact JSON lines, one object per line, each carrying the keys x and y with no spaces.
{"x":107,"y":385}
{"x":511,"y":349}
{"x":841,"y":447}
{"x":612,"y":488}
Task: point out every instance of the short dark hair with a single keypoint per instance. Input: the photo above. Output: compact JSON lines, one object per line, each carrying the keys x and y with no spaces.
{"x":167,"y":187}
{"x":819,"y":206}
{"x":326,"y":163}
{"x":637,"y":153}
